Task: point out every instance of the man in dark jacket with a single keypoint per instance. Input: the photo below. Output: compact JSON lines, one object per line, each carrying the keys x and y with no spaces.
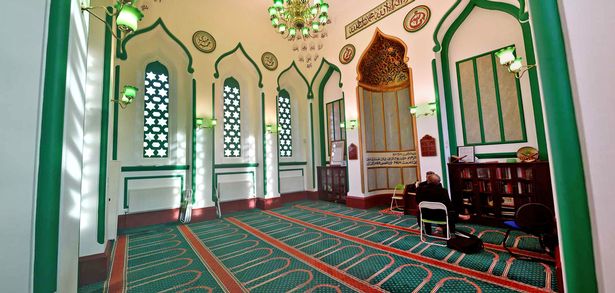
{"x":434,"y":192}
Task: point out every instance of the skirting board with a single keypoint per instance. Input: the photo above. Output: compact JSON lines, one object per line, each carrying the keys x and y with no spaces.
{"x":95,"y":268}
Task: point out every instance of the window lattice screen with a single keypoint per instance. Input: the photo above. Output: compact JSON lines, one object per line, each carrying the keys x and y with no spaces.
{"x":285,"y":122}
{"x":232,"y":118}
{"x":156,"y":113}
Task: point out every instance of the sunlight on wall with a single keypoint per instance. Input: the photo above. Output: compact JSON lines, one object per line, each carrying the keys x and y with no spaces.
{"x":269,"y":158}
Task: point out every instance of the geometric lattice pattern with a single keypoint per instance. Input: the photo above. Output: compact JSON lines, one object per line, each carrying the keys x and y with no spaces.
{"x":285,"y":122}
{"x":232,"y":118}
{"x":156,"y":113}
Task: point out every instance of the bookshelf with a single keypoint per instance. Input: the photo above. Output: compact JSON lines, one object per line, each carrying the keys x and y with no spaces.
{"x":491,"y":192}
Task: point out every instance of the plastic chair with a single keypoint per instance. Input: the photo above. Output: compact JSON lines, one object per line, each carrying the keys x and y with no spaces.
{"x":433,"y":206}
{"x":535,"y":219}
{"x":397,"y":196}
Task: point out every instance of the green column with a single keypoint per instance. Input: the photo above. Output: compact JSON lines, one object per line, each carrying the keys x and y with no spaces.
{"x":566,"y":160}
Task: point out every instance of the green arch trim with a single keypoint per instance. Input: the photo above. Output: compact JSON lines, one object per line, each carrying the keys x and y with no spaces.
{"x":518,"y":13}
{"x":123,"y":54}
{"x":531,"y":59}
{"x":331,"y":65}
{"x":307,"y":84}
{"x":239,"y":47}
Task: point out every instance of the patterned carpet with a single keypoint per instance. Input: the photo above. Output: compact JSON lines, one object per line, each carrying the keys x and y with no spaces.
{"x":314,"y":246}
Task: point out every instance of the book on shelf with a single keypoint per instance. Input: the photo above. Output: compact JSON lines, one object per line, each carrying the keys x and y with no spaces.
{"x":508,"y":202}
{"x":465,"y":173}
{"x":482,"y":173}
{"x":525,"y":188}
{"x":484,"y":187}
{"x":503,"y":173}
{"x":525,"y":173}
{"x":506,"y":188}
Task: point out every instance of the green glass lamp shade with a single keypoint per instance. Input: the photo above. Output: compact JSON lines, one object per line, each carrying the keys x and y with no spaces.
{"x":432,"y":106}
{"x":129,"y":94}
{"x":305,"y":31}
{"x":314,"y":10}
{"x":315,"y":26}
{"x":353,"y":124}
{"x":200,"y":122}
{"x":282,"y":28}
{"x":317,"y":2}
{"x":506,"y":55}
{"x":272,"y":11}
{"x":413,"y":110}
{"x":275,"y":21}
{"x":278,"y":3}
{"x":323,"y":18}
{"x":128,"y":18}
{"x":342,"y":124}
{"x":324,"y":7}
{"x":516,"y":65}
{"x":292,"y":31}
{"x":214,"y":122}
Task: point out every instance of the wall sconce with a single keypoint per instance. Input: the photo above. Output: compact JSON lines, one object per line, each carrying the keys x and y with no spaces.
{"x":271,"y":128}
{"x":427,"y":109}
{"x":352,"y":124}
{"x":128,"y":96}
{"x":513,"y":64}
{"x":127,"y":16}
{"x":205,"y":123}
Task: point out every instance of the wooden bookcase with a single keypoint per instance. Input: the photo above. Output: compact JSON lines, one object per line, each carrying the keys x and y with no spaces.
{"x":492,"y":192}
{"x":332,"y":183}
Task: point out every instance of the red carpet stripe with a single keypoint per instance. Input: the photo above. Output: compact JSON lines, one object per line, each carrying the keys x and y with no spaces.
{"x":117,"y":280}
{"x":416,"y":231}
{"x":223,"y":276}
{"x":349,"y":280}
{"x":514,"y":285}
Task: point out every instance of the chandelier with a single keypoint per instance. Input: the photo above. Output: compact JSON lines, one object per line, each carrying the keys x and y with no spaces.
{"x":292,"y":17}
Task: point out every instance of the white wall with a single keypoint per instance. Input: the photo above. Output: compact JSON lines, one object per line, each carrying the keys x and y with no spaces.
{"x":91,"y":149}
{"x":420,"y":55}
{"x":588,"y":30}
{"x":22,"y":56}
{"x":72,"y":153}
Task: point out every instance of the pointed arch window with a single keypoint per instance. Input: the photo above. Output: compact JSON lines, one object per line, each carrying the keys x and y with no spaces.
{"x":156,"y":112}
{"x":285,"y":122}
{"x":232,"y":118}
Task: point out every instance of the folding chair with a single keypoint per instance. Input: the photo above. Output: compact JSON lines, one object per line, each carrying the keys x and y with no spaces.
{"x":434,"y":206}
{"x":397,"y":196}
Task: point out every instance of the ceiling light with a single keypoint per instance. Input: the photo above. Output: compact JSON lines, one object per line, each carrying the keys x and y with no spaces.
{"x":292,"y":16}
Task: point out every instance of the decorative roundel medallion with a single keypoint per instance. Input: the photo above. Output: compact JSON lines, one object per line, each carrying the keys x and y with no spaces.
{"x":204,"y":41}
{"x":417,"y":18}
{"x":270,"y":61}
{"x":347,"y":53}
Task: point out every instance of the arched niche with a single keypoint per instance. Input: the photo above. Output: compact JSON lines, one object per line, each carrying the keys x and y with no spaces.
{"x":327,"y":87}
{"x":387,"y":129}
{"x":238,"y":178}
{"x":145,"y":188}
{"x":293,"y":170}
{"x":155,"y":44}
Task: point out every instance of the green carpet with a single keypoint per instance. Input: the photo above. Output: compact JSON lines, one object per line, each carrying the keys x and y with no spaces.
{"x":314,"y":246}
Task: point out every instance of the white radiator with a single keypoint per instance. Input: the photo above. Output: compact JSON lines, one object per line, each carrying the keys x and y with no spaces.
{"x":145,"y":195}
{"x":236,"y":186}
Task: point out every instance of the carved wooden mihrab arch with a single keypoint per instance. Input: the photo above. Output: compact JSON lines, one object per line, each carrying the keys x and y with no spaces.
{"x":384,"y":64}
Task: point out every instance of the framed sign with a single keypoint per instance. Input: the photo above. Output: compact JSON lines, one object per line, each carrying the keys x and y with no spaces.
{"x":270,"y":61}
{"x":338,"y":148}
{"x":465,"y":154}
{"x":428,"y":146}
{"x":417,"y":18}
{"x":204,"y":41}
{"x":347,"y":53}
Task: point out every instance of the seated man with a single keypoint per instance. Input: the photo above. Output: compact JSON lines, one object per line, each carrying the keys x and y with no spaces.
{"x":410,"y":203}
{"x":434,"y":192}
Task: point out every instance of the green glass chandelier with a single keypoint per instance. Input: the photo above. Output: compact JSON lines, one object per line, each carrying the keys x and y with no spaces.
{"x":292,"y":17}
{"x":127,"y":16}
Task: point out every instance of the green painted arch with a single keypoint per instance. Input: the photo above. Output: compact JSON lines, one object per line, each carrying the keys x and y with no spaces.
{"x":531,"y":59}
{"x":331,"y":65}
{"x":123,"y":54}
{"x":518,"y":13}
{"x":307,"y":84}
{"x":239,"y":47}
